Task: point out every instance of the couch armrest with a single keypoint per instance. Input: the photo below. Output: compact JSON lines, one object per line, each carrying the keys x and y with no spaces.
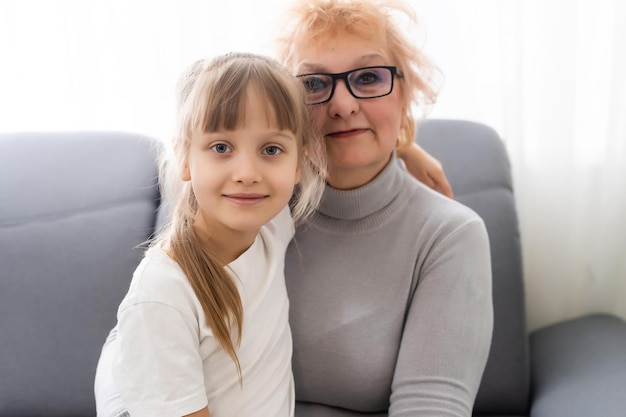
{"x":579,"y":368}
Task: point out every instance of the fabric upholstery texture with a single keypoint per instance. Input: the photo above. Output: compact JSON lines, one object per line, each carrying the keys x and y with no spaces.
{"x":579,"y":366}
{"x":73,"y":208}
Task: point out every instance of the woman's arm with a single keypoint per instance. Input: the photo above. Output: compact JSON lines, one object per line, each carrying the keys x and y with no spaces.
{"x":448,"y":328}
{"x":425,"y":168}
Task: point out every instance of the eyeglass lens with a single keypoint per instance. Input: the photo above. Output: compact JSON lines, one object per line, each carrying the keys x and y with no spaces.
{"x":362,"y":83}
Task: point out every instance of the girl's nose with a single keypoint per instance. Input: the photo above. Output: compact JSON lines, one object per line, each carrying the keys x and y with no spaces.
{"x":246,"y":169}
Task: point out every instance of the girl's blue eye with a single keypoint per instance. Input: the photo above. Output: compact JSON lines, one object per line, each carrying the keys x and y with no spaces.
{"x":272,"y":150}
{"x":220,"y":148}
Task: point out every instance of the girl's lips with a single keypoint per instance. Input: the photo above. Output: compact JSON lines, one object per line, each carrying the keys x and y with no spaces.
{"x":245,"y":199}
{"x":346,"y":134}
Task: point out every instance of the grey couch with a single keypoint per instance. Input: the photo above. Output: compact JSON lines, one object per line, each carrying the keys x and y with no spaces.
{"x":75,"y":206}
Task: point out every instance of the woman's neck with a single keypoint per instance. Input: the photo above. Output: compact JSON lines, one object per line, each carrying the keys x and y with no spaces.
{"x":374,"y":201}
{"x":354,"y":177}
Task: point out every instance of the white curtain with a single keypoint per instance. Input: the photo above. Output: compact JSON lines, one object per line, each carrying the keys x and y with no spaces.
{"x":113,"y":64}
{"x":549,"y":75}
{"x":546,"y":74}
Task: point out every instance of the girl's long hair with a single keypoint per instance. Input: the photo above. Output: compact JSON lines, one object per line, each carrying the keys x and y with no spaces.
{"x":212,"y":96}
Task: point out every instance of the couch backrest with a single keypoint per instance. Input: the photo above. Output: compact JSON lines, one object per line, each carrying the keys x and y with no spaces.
{"x":74,"y":205}
{"x":72,"y":208}
{"x":477,"y":166}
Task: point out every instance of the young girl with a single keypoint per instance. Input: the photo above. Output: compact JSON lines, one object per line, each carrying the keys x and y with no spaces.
{"x":203,"y":329}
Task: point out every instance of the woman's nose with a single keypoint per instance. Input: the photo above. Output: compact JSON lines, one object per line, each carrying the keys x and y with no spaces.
{"x":342,"y":103}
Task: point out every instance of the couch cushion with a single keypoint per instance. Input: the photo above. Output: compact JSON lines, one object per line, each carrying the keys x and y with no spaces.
{"x":579,"y":368}
{"x":73,"y":207}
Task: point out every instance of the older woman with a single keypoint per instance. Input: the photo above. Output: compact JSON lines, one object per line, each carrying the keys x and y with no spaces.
{"x":389,"y":282}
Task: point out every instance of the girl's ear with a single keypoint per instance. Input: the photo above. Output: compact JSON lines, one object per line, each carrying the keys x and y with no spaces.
{"x":185,"y":172}
{"x":299,"y":168}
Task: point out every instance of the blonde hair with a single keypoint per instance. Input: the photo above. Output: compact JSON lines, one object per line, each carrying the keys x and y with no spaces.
{"x":314,"y":22}
{"x":212,"y":96}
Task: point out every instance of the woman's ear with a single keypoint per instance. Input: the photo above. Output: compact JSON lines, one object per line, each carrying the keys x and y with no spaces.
{"x":405,"y":115}
{"x":402,"y":134}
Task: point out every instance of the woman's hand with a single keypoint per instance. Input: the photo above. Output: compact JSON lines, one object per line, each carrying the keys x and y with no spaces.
{"x":200,"y":413}
{"x":425,"y":168}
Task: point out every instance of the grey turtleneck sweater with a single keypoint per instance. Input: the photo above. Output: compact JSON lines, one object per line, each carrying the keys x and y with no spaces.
{"x":391,"y":310}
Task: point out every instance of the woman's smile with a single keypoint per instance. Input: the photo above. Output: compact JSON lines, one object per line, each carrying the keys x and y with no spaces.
{"x":346,"y":134}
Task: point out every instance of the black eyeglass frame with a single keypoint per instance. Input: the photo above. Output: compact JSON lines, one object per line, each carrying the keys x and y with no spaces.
{"x":344,"y":76}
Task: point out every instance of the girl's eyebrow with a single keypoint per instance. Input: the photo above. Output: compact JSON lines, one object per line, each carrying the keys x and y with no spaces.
{"x":210,"y":136}
{"x":285,"y":133}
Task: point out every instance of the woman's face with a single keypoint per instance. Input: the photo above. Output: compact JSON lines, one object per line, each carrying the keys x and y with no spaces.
{"x":360,"y":134}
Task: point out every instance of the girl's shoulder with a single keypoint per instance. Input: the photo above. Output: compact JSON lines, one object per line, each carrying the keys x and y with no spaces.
{"x":281,"y":227}
{"x":158,"y":278}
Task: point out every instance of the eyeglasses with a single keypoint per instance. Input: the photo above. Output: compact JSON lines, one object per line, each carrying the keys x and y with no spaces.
{"x":367,"y":82}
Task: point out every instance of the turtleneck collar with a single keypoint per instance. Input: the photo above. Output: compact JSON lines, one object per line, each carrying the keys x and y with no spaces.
{"x":372,"y":199}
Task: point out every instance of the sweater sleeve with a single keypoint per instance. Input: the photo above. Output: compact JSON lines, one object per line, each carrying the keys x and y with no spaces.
{"x":447,"y":333}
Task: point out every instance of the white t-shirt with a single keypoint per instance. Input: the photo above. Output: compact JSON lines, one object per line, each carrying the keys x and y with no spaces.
{"x":168,"y":363}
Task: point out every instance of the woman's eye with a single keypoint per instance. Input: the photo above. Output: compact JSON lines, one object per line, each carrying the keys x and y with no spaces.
{"x":220,"y":148}
{"x":272,"y":150}
{"x":313,"y":84}
{"x":371,"y":77}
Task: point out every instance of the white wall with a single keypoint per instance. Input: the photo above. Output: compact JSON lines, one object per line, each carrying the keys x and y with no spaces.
{"x":546,"y":74}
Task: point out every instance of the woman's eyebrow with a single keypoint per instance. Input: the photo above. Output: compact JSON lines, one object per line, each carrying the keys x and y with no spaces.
{"x":310,"y":68}
{"x":363,"y":61}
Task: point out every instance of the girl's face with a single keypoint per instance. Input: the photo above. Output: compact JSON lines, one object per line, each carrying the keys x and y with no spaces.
{"x":360,"y":134}
{"x":242,"y":178}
